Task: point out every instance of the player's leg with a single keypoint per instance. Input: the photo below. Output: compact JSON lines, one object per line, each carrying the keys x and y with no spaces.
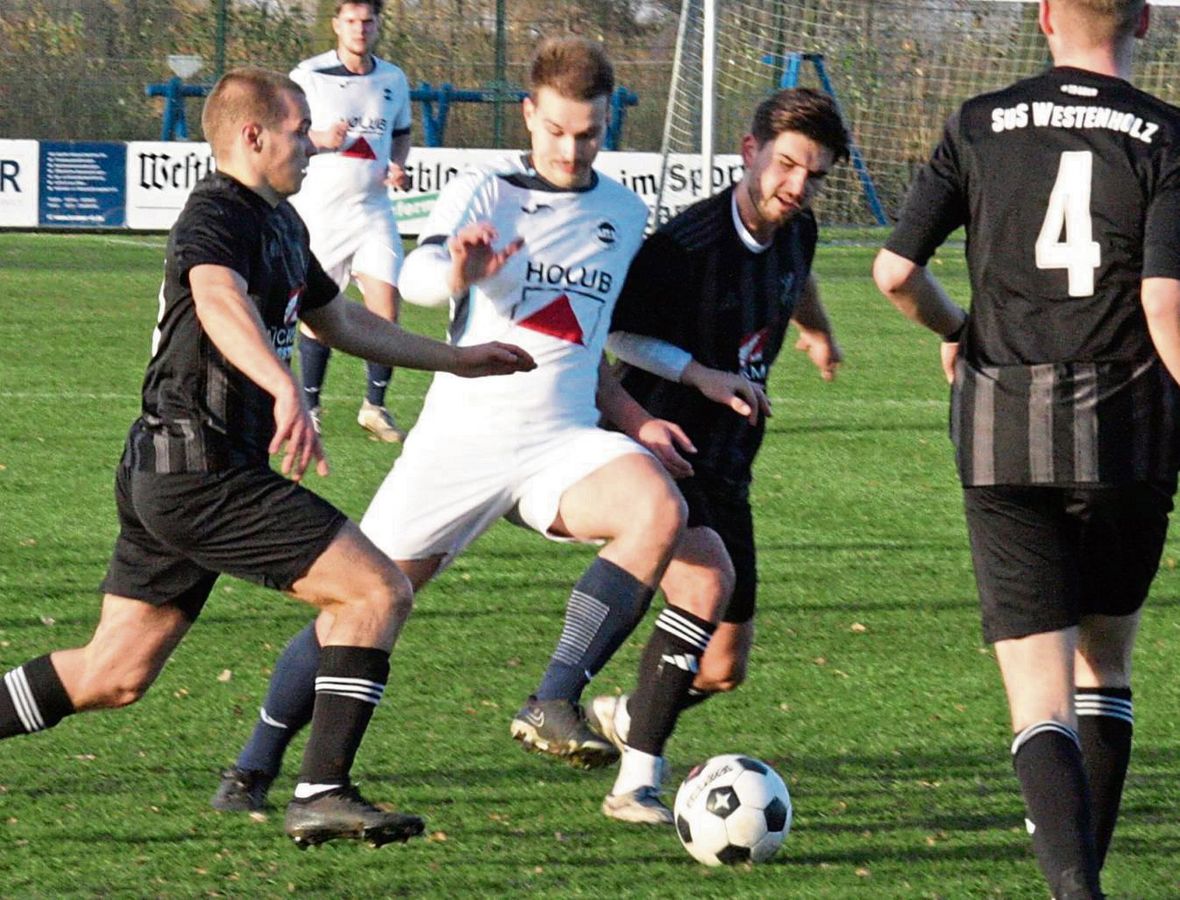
{"x":609,"y":491}
{"x":1105,"y":715}
{"x":376,"y":267}
{"x":697,"y":583}
{"x":313,"y":353}
{"x":124,"y":656}
{"x":1122,"y":537}
{"x":1023,"y":546}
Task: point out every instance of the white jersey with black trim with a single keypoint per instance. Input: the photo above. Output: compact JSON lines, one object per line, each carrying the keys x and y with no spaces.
{"x":376,"y":107}
{"x":554,"y":298}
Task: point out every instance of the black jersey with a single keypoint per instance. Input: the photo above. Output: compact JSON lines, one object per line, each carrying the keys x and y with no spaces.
{"x":200,"y":413}
{"x":1068,"y":184}
{"x":695,"y":284}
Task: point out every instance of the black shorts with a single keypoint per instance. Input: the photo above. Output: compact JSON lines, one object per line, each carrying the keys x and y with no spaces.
{"x":178,"y":532}
{"x":1046,"y":556}
{"x":726,"y":509}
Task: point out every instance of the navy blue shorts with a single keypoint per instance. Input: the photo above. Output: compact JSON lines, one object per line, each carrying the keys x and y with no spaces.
{"x":726,"y":509}
{"x":1046,"y":556}
{"x":178,"y":532}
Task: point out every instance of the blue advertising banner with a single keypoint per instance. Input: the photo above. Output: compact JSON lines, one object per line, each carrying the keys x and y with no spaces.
{"x":83,"y":184}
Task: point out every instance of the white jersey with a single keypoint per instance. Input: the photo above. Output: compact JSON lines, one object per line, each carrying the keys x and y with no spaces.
{"x":377,"y":109}
{"x":554,"y":298}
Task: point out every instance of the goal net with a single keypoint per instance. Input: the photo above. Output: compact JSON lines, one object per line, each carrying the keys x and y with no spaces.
{"x":897,"y":69}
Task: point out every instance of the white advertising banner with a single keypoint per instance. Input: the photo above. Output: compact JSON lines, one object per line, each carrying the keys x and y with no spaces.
{"x":19,"y":180}
{"x":160,"y":175}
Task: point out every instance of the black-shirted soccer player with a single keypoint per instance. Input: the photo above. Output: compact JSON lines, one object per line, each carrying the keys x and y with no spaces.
{"x":195,"y":492}
{"x":1063,"y":411}
{"x":704,"y":311}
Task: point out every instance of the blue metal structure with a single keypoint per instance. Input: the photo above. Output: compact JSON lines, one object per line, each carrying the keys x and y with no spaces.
{"x":436,"y":105}
{"x":792,"y":62}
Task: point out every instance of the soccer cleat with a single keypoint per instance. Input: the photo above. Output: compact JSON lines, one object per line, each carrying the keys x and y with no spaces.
{"x":241,"y":790}
{"x":314,"y":412}
{"x":609,"y":717}
{"x":558,"y":727}
{"x":642,"y":806}
{"x":378,"y":421}
{"x":344,"y":813}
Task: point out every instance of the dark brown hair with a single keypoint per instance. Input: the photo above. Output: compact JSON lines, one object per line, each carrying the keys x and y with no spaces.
{"x":573,"y":67}
{"x":809,"y":112}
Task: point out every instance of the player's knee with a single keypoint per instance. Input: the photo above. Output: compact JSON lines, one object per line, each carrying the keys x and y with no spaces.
{"x":663,"y":517}
{"x":113,"y":690}
{"x":387,"y":597}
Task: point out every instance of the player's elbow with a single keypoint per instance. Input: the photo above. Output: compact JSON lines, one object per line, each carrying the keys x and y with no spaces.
{"x":892,"y":273}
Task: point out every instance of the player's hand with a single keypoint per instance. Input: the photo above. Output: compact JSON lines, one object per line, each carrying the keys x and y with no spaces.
{"x":396,"y":177}
{"x":822,"y":350}
{"x":948,"y":352}
{"x":667,"y":440}
{"x":332,"y":137}
{"x":295,"y":429}
{"x":731,"y":389}
{"x":474,"y":257}
{"x":494,"y":358}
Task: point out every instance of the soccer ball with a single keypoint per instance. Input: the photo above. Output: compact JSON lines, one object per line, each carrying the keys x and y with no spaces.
{"x":732,"y":809}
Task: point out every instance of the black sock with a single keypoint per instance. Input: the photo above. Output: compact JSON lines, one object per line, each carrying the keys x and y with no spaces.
{"x":348,"y":687}
{"x":378,"y":381}
{"x":669,"y":663}
{"x":313,"y":366}
{"x":1048,"y":762}
{"x":290,"y":699}
{"x":695,"y":696}
{"x":32,"y":698}
{"x":604,"y":607}
{"x":1106,"y":720}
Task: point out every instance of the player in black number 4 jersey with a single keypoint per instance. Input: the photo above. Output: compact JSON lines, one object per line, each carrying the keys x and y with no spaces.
{"x":195,"y":492}
{"x":1064,"y":405}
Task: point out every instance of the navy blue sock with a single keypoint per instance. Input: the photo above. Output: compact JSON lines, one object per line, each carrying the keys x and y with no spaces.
{"x":313,"y":366}
{"x":604,"y":607}
{"x":378,"y":381}
{"x":290,"y":699}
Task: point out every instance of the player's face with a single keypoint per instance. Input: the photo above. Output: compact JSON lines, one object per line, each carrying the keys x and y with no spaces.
{"x":356,"y":28}
{"x":287,"y":147}
{"x":566,"y":136}
{"x":782,"y":177}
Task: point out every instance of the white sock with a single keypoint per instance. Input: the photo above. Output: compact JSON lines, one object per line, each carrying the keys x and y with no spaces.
{"x":637,"y":769}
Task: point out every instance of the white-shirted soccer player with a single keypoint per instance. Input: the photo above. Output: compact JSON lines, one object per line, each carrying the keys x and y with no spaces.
{"x":360,"y":119}
{"x":534,"y":251}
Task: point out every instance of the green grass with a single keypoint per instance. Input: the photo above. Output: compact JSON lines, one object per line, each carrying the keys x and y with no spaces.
{"x":869,"y":688}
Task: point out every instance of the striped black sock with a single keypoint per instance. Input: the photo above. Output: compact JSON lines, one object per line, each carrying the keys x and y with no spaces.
{"x":1106,"y":720}
{"x":667,"y":668}
{"x":1048,"y":762}
{"x":348,"y":687}
{"x":32,"y":698}
{"x":377,"y":383}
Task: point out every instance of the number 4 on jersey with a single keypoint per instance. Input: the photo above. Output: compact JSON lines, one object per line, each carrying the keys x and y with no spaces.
{"x":1069,"y":209}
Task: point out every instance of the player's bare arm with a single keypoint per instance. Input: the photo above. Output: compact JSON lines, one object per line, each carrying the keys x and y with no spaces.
{"x":666,"y":440}
{"x":815,"y":332}
{"x":474,"y":256}
{"x":920,"y":298}
{"x":330,"y":138}
{"x":396,"y":176}
{"x":229,"y":318}
{"x":354,"y":329}
{"x":1161,"y":306}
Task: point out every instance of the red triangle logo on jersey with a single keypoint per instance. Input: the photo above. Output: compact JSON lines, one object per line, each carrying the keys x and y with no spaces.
{"x":359,"y":149}
{"x":557,"y":320}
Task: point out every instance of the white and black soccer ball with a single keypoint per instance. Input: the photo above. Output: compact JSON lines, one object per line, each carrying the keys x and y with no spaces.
{"x":732,"y":809}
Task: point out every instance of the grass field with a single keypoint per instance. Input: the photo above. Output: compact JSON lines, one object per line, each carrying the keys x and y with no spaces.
{"x":869,"y":690}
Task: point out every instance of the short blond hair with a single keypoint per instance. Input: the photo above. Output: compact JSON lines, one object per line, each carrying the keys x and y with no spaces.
{"x":574,"y":67}
{"x":1105,"y":20}
{"x":241,"y":96}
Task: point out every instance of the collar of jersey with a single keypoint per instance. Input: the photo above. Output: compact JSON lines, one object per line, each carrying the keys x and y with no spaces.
{"x":531,"y":180}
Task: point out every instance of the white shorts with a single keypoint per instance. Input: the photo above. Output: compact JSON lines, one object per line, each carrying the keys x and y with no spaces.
{"x":365,"y":244}
{"x":443,"y":493}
